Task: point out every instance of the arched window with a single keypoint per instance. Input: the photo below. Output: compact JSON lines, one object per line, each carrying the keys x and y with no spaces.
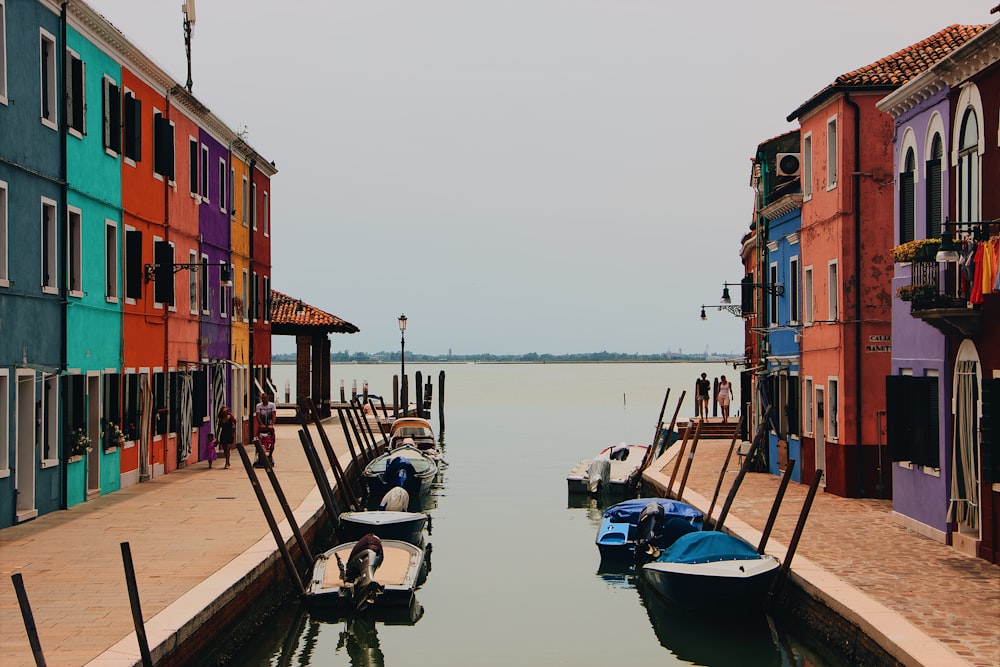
{"x":933,"y":190}
{"x":968,"y":168}
{"x":907,"y":212}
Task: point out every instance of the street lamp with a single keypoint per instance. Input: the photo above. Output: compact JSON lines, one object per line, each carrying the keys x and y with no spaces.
{"x":402,"y":346}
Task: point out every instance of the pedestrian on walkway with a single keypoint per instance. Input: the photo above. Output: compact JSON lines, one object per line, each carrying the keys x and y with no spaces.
{"x":208,"y":452}
{"x":264,"y":412}
{"x":227,"y":431}
{"x":703,"y":387}
{"x":724,"y":397}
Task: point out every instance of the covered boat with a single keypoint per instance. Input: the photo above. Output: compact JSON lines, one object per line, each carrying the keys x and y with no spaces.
{"x":404,"y":466}
{"x":619,"y":532}
{"x":615,"y":470}
{"x":714,"y":572}
{"x":387,"y":524}
{"x":412,"y":430}
{"x":352,"y":575}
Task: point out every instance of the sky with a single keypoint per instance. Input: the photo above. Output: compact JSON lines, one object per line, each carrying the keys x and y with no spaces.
{"x":551,"y":176}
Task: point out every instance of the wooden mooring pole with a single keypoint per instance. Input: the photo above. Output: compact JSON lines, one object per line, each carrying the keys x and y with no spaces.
{"x":758,"y":441}
{"x":441,"y":406}
{"x":29,"y":619}
{"x":690,"y":460}
{"x":325,"y":492}
{"x":725,"y":466}
{"x":340,"y":476}
{"x":772,"y":517}
{"x":803,"y":515}
{"x":283,"y":501}
{"x":133,"y":599}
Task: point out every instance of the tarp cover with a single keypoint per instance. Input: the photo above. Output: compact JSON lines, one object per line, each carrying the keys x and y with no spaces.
{"x":706,"y":547}
{"x":628,"y":511}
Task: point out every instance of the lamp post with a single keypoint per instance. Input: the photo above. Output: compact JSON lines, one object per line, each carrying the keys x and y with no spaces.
{"x":402,"y":346}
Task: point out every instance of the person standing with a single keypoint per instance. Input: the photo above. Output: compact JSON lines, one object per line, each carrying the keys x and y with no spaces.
{"x":265,"y":411}
{"x":701,"y":396}
{"x":227,"y":431}
{"x":724,"y":397}
{"x":208,"y":452}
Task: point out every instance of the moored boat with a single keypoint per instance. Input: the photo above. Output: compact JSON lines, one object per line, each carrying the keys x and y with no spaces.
{"x":619,"y":532}
{"x":405,"y":466}
{"x":713,"y":572}
{"x":387,"y":524}
{"x":615,"y":470}
{"x":416,"y":430}
{"x":346,"y":576}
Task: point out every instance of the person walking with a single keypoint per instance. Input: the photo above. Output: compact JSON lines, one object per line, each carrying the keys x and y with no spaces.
{"x":208,"y":452}
{"x":724,"y":397}
{"x":703,"y":387}
{"x":265,"y":411}
{"x":227,"y":431}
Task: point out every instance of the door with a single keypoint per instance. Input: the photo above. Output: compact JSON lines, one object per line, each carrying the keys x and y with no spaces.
{"x":964,"y":504}
{"x":94,"y":431}
{"x":26,"y":459}
{"x":821,"y":433}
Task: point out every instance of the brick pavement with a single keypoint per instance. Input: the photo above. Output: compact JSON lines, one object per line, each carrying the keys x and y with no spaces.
{"x":895,"y":576}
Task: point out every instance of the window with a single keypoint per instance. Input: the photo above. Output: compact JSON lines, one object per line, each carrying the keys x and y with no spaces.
{"x":133,"y":264}
{"x":48,"y":79}
{"x":4,"y":232}
{"x":3,"y":52}
{"x":76,"y":98}
{"x":833,"y":292}
{"x":132,"y":127}
{"x":49,"y":421}
{"x":787,"y":401}
{"x":807,"y":166}
{"x":267,"y":214}
{"x":773,"y":300}
{"x":163,"y":145}
{"x":232,"y":193}
{"x":160,"y":412}
{"x":267,"y":298}
{"x":907,"y":209}
{"x":4,"y":404}
{"x":193,"y":166}
{"x":253,"y":205}
{"x":203,"y":284}
{"x":222,"y":185}
{"x":807,"y":410}
{"x":246,"y":296}
{"x":934,"y":187}
{"x":793,"y":290}
{"x":254,"y":296}
{"x":912,"y":419}
{"x":192,"y":282}
{"x":50,"y":262}
{"x":204,"y":172}
{"x":163,"y":285}
{"x":112,"y":118}
{"x":246,"y":201}
{"x":968,"y":167}
{"x":74,"y":238}
{"x":807,"y":296}
{"x":111,"y":260}
{"x":832,"y":401}
{"x":222,"y":294}
{"x":831,"y":153}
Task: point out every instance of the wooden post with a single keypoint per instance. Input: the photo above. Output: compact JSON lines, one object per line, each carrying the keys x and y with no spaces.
{"x":133,"y":598}
{"x":29,"y":619}
{"x":347,"y":436}
{"x":715,"y":397}
{"x":283,"y":501}
{"x":649,"y":456}
{"x":803,"y":515}
{"x":677,"y":460}
{"x":418,"y":392}
{"x":343,"y":484}
{"x":395,"y":397}
{"x":758,"y":441}
{"x":355,"y":421}
{"x":363,"y":419}
{"x":785,"y":478}
{"x":293,"y":573}
{"x":687,"y":466}
{"x":441,"y":406}
{"x":725,"y":465}
{"x":362,"y":445}
{"x":322,"y":483}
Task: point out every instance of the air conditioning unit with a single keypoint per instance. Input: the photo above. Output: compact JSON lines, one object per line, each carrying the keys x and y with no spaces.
{"x":789,"y":164}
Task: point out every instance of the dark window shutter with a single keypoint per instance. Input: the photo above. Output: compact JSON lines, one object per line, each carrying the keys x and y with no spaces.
{"x":133,"y":127}
{"x":76,"y":100}
{"x":897,"y":422}
{"x":793,"y":405}
{"x":164,"y":150}
{"x":746,"y":295}
{"x":78,"y":413}
{"x":990,"y":429}
{"x":199,"y":398}
{"x":934,"y":219}
{"x":163,"y":287}
{"x":193,"y":159}
{"x":160,"y":402}
{"x":114,"y":115}
{"x":926,"y":444}
{"x":906,"y":207}
{"x":133,"y":264}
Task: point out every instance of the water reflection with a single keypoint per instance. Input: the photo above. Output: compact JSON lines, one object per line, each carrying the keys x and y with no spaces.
{"x":358,"y":635}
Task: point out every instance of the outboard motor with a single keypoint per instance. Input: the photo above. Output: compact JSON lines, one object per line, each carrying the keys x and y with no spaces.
{"x":618,"y":452}
{"x":395,"y":500}
{"x":400,"y":472}
{"x":648,"y":531}
{"x":359,"y":573}
{"x":598,"y":474}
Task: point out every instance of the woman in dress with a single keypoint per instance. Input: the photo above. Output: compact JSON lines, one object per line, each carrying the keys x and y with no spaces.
{"x":724,"y":397}
{"x":227,"y":432}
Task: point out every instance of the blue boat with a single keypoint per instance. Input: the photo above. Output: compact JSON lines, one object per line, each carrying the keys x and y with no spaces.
{"x":713,"y":572}
{"x":619,"y":532}
{"x":405,"y":466}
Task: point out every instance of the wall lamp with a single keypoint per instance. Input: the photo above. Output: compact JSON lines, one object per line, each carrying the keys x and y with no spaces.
{"x":771,"y":288}
{"x":155,"y":270}
{"x":733,"y":310}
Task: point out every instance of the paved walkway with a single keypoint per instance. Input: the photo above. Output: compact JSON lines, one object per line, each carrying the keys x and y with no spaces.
{"x":940,"y":606}
{"x":189,"y":533}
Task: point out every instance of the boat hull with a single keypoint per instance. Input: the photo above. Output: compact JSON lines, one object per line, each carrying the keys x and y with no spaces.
{"x":398,"y":574}
{"x":621,"y":478}
{"x":425,"y":469}
{"x":388,"y":525}
{"x":617,"y":534}
{"x":726,"y":587}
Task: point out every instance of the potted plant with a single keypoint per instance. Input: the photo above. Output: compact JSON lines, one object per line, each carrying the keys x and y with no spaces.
{"x":917,"y":250}
{"x":79,"y":443}
{"x":113,"y":437}
{"x":917,"y":293}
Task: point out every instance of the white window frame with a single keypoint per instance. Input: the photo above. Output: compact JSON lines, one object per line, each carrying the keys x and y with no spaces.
{"x":193,"y":286}
{"x":4,"y":403}
{"x":772,"y":276}
{"x":222,"y":184}
{"x":76,"y":132}
{"x":794,"y":288}
{"x":194,"y":179}
{"x":4,"y":235}
{"x":74,"y":251}
{"x":50,"y":250}
{"x":832,"y":409}
{"x":203,"y":183}
{"x":267,"y":214}
{"x":807,"y":296}
{"x":232,"y":192}
{"x":807,"y":167}
{"x":204,"y":291}
{"x":809,"y":406}
{"x":253,"y":205}
{"x":245,"y":195}
{"x":47,"y":81}
{"x":833,"y":291}
{"x":266,"y":299}
{"x":111,"y":265}
{"x":223,"y":293}
{"x":107,"y":130}
{"x":832,"y":152}
{"x":127,"y":92}
{"x":246,"y":296}
{"x":50,"y":415}
{"x":3,"y":52}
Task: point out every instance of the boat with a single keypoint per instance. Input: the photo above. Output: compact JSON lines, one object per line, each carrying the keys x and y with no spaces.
{"x":376,"y":582}
{"x":405,"y":466}
{"x":615,"y":470}
{"x":711,"y":571}
{"x":387,"y":524}
{"x":619,"y":532}
{"x":412,"y":430}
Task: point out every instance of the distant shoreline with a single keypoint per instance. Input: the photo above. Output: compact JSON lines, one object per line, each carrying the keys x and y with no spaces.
{"x":390,"y":362}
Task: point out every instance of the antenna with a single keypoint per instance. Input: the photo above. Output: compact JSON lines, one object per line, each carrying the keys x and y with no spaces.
{"x":187,"y":8}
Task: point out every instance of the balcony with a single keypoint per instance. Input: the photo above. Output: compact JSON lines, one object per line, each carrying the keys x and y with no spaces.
{"x":951,"y":314}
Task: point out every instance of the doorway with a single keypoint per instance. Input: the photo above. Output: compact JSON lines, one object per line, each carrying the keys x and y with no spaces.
{"x":821,"y":433}
{"x":94,"y":431}
{"x":964,"y":503}
{"x":26,"y":460}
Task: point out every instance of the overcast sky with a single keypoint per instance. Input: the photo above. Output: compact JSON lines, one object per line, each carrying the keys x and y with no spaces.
{"x":516,"y":176}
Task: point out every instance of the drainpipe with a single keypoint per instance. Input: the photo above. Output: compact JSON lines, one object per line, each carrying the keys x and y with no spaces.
{"x":856,"y":195}
{"x":166,"y":306}
{"x":60,"y":103}
{"x":252,"y":214}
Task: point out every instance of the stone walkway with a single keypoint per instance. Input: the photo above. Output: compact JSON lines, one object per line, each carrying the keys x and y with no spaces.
{"x":952,"y":598}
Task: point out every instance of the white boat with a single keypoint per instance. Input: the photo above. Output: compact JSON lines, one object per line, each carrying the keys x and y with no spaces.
{"x":384,"y":472}
{"x":387,"y":524}
{"x":412,"y":430}
{"x":615,"y":470}
{"x":386,"y":582}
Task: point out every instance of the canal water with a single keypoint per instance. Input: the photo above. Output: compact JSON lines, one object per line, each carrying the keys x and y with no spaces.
{"x":514,"y":575}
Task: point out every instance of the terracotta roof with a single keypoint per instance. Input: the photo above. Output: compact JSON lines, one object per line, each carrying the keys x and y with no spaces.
{"x":287,"y":312}
{"x":896,"y":69}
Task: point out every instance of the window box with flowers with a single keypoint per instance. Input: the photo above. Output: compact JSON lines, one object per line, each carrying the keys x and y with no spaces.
{"x":918,"y":250}
{"x":113,"y":437}
{"x":79,"y":444}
